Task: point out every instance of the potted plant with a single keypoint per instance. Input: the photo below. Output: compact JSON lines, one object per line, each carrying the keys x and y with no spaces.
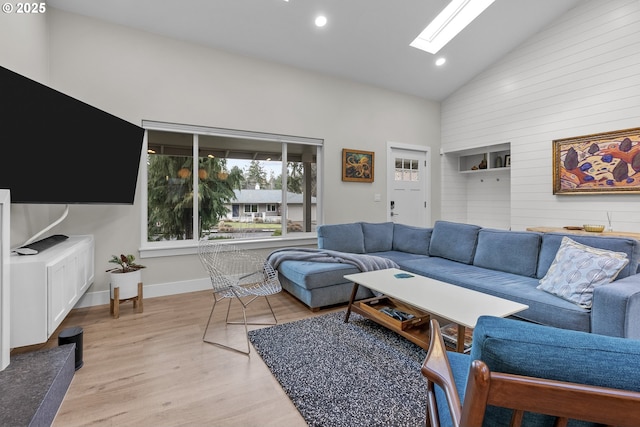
{"x":126,"y":276}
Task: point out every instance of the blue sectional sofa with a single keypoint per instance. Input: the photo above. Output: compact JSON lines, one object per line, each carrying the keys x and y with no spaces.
{"x":507,"y":264}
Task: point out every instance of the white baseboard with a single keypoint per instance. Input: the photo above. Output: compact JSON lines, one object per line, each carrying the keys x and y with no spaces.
{"x":90,"y":299}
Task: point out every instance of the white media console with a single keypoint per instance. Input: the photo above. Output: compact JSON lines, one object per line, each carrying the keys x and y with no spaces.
{"x":46,"y":286}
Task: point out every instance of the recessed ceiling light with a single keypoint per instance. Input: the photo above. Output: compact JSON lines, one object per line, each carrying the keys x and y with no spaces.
{"x":440,"y":61}
{"x":321,"y":21}
{"x":453,"y":19}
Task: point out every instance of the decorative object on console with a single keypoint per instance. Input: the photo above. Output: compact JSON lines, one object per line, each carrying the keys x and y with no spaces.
{"x":594,"y":228}
{"x":483,"y":163}
{"x":599,"y":163}
{"x":357,"y":165}
{"x":126,"y":283}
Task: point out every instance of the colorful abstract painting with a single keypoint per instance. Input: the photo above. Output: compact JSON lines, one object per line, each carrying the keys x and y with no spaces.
{"x":599,"y":163}
{"x":357,"y":165}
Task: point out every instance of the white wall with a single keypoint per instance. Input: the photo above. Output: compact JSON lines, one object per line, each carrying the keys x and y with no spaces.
{"x":23,"y":44}
{"x":24,"y":49}
{"x":137,"y":75}
{"x":577,"y":77}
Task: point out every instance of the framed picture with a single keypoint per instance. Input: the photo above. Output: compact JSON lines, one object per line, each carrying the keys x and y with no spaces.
{"x":357,"y":165}
{"x":507,"y":160}
{"x":600,"y":163}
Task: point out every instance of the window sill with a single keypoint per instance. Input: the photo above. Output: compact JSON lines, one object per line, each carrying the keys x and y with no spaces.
{"x":190,"y":247}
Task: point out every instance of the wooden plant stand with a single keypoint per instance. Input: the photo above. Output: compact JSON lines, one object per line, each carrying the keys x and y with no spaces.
{"x":114,"y":304}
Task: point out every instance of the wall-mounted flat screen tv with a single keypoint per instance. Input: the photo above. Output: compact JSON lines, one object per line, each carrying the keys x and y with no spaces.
{"x":57,"y":149}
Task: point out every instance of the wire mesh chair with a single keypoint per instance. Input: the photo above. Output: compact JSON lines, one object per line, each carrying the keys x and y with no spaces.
{"x":237,"y":274}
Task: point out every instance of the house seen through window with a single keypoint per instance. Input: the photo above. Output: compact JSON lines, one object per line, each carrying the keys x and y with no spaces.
{"x":224,"y":184}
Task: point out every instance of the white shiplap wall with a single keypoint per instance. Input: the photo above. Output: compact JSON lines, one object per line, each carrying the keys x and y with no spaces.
{"x":580,"y":75}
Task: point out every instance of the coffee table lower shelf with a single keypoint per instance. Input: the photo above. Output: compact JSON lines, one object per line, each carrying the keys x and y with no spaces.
{"x":455,"y":304}
{"x":415,"y":330}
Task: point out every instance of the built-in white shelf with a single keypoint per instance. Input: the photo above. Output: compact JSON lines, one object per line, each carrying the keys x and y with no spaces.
{"x":497,"y":157}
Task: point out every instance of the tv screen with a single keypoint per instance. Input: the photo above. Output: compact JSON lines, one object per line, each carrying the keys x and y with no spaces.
{"x":57,"y":149}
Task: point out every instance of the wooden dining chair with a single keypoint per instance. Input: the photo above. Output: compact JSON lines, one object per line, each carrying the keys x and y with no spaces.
{"x":521,"y":395}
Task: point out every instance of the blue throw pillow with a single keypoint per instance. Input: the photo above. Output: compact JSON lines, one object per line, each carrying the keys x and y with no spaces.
{"x":551,"y":243}
{"x":578,"y":269}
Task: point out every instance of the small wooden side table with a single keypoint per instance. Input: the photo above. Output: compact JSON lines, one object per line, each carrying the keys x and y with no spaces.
{"x":114,"y":304}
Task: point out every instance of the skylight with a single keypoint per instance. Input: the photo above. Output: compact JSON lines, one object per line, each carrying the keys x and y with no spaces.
{"x":453,"y":19}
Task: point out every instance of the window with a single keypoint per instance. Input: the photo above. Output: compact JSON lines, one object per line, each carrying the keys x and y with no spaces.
{"x":237,"y":189}
{"x":407,"y":170}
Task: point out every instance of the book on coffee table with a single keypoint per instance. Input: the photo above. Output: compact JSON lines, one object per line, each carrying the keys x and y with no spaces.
{"x":450,"y":336}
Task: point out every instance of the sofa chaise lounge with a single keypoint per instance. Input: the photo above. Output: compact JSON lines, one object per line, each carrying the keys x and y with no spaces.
{"x":507,"y":264}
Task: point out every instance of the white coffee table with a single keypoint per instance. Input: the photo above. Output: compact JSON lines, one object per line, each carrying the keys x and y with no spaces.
{"x":459,"y":305}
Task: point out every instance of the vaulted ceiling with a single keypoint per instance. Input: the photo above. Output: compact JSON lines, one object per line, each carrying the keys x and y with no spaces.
{"x":364,"y":40}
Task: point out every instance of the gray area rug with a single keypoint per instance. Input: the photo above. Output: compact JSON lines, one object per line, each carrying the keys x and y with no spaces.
{"x":346,"y":374}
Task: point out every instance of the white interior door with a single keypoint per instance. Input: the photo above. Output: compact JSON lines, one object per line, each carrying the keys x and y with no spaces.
{"x":408,"y":184}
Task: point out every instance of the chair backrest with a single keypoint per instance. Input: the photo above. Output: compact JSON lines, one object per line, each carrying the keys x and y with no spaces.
{"x":563,"y":400}
{"x":437,"y":370}
{"x":522,"y":395}
{"x":229,"y":265}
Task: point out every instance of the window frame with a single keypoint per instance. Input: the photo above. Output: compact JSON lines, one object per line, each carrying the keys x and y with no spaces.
{"x":251,"y":207}
{"x":184,"y":247}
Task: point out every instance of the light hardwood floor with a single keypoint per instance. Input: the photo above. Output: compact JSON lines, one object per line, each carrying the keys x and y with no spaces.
{"x":153,"y":369}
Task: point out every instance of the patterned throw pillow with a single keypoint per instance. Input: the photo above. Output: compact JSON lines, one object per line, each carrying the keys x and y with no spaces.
{"x":577,"y":269}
